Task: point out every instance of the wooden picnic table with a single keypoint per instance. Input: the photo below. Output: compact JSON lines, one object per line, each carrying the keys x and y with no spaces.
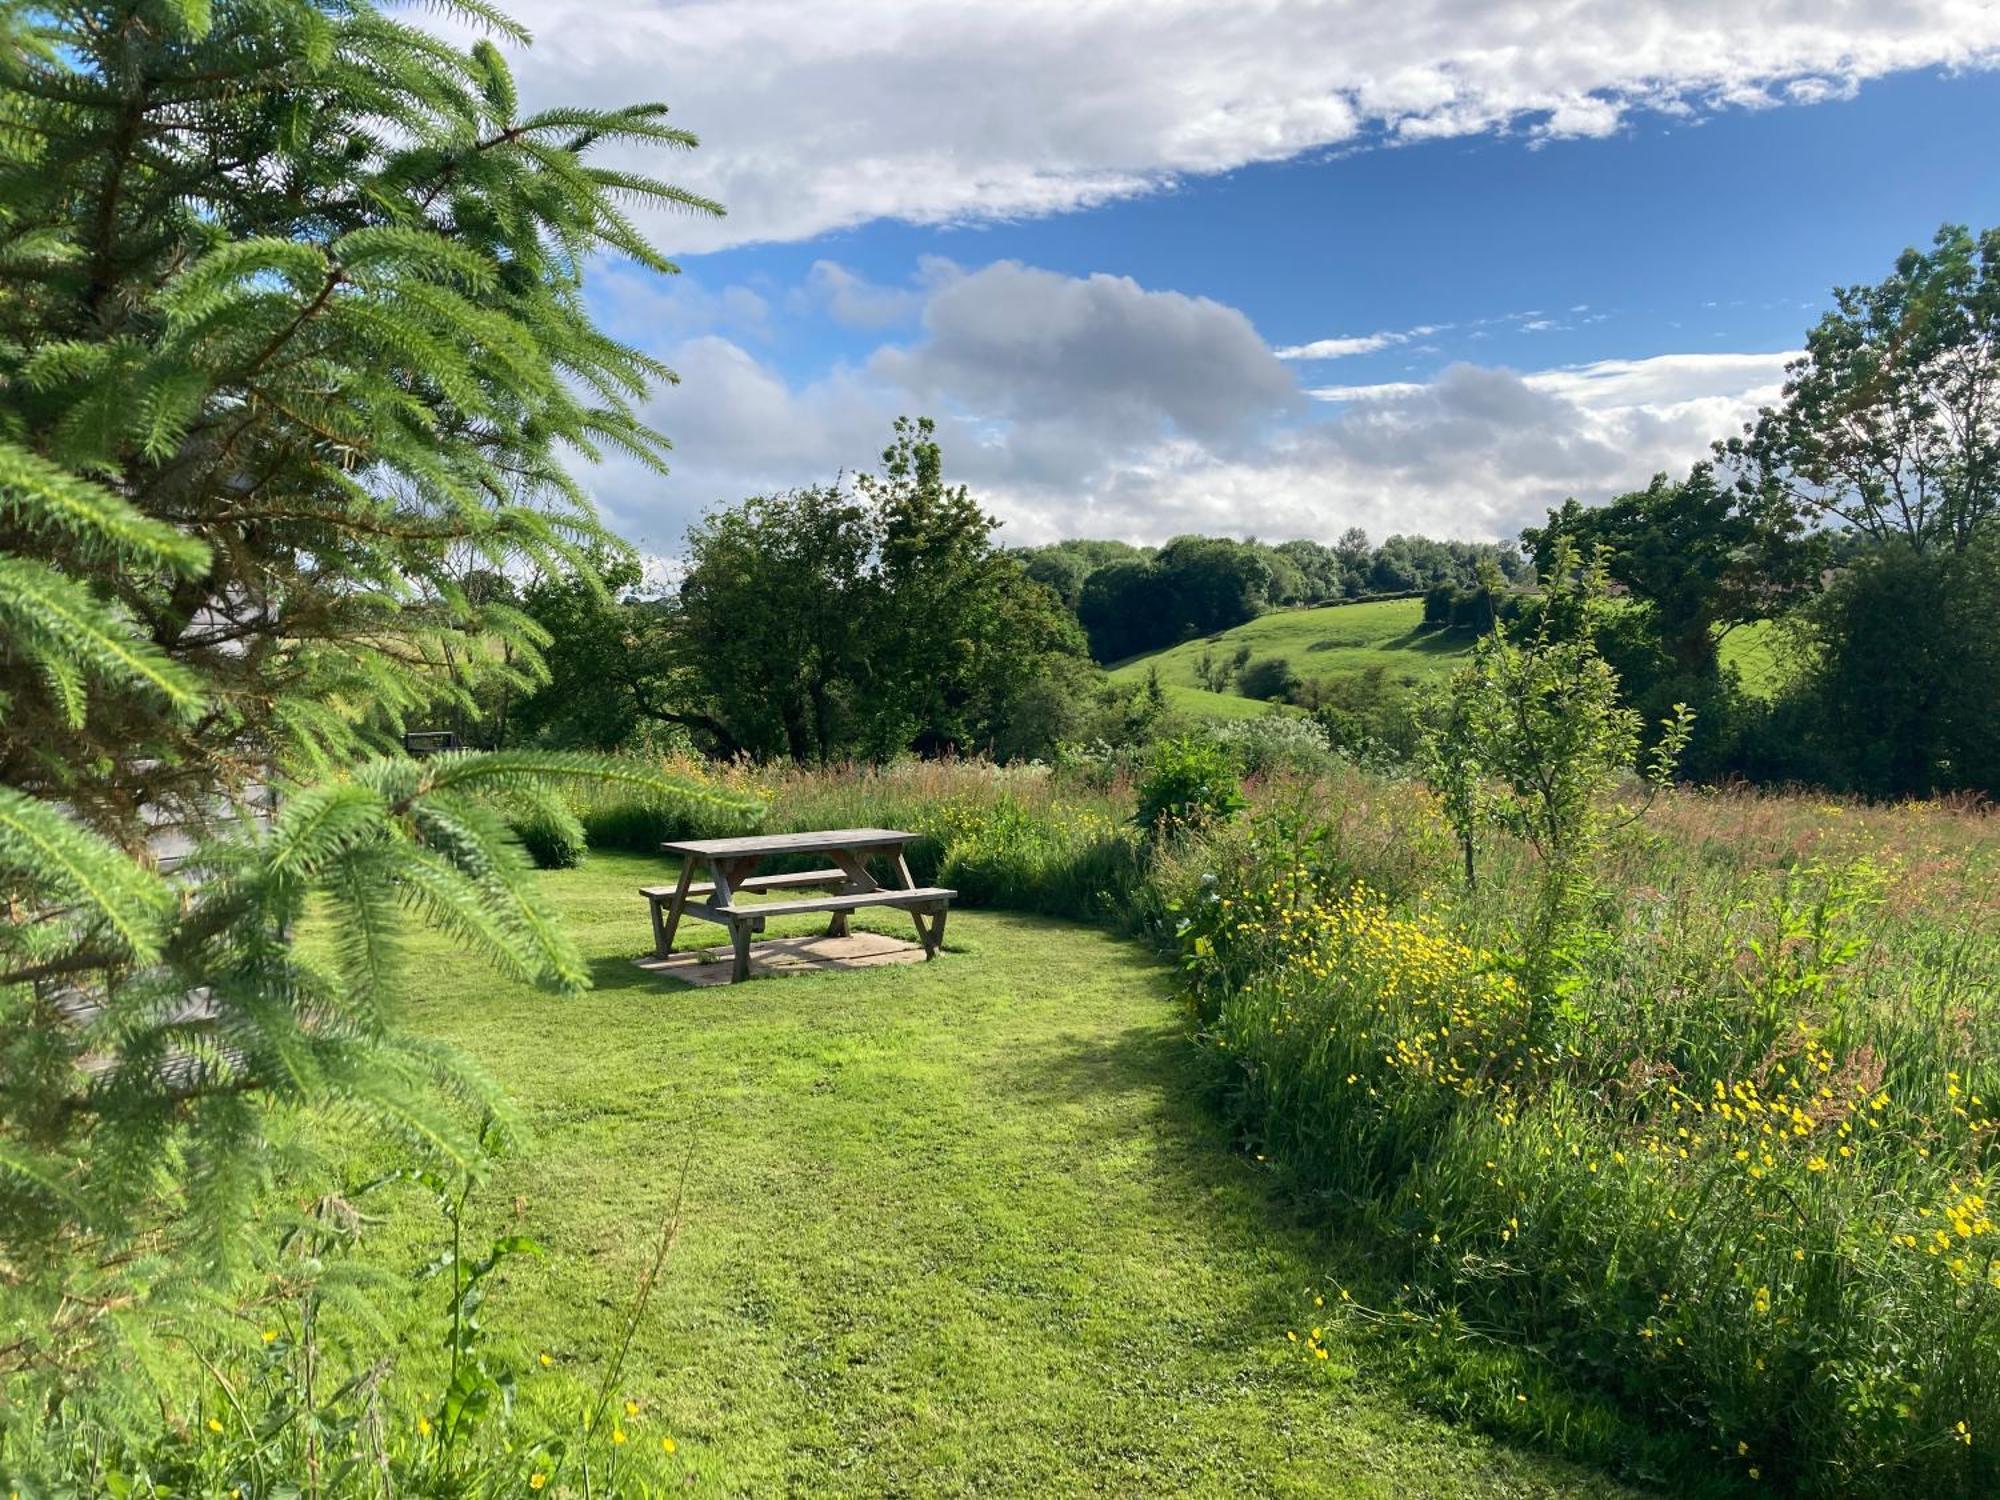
{"x":732,"y":869}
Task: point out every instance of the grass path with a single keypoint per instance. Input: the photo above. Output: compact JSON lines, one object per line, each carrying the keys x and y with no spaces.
{"x":950,"y":1229}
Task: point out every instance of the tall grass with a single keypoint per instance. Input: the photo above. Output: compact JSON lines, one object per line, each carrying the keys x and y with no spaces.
{"x":1739,"y":1179}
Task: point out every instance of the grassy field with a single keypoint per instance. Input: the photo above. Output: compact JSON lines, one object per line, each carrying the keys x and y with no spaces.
{"x":953,"y":1228}
{"x":1333,"y":641}
{"x":1754,"y":650}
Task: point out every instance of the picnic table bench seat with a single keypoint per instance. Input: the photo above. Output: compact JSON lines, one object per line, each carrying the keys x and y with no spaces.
{"x":732,"y":863}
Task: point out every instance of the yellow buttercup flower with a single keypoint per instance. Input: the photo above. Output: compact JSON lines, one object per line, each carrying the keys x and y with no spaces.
{"x":423,"y":1426}
{"x":270,"y":1335}
{"x":666,"y":1445}
{"x":631,"y":1408}
{"x":213,"y":1425}
{"x":617,"y":1436}
{"x":537,"y":1479}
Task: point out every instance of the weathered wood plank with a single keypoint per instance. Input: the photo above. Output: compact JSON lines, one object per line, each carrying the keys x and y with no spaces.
{"x":758,"y":846}
{"x":754,"y":883}
{"x":922,"y":896}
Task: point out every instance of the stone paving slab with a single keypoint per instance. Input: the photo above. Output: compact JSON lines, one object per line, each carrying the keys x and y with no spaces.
{"x":776,"y":956}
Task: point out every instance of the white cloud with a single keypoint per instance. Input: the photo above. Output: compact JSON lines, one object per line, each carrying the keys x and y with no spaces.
{"x":1387,"y":390}
{"x":1097,"y":353}
{"x":1668,"y":380}
{"x":1092,"y":406}
{"x":1363,"y":343}
{"x":816,"y":115}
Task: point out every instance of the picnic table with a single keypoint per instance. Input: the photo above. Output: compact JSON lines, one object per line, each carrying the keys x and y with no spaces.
{"x":732,"y":871}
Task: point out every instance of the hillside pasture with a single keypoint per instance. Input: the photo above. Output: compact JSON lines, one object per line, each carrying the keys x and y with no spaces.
{"x":1334,"y":640}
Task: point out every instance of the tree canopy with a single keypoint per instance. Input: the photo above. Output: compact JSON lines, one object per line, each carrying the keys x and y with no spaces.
{"x":833,"y":622}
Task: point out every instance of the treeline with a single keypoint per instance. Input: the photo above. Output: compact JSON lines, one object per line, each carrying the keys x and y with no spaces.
{"x":1853,"y":523}
{"x":1132,"y":600}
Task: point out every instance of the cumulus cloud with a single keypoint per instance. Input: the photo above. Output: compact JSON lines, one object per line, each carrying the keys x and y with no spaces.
{"x":1092,"y":406}
{"x":817,"y":116}
{"x":1100,"y":353}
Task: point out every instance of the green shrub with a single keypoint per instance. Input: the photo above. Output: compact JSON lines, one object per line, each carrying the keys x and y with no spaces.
{"x":1064,"y":862}
{"x":693,"y":805}
{"x":1275,"y":743}
{"x":1188,"y":783}
{"x":1269,"y":678}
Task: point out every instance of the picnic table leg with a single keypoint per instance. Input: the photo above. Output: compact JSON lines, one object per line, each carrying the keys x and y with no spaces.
{"x":739,"y":933}
{"x":910,"y":884}
{"x":859,"y":881}
{"x":934,"y":939}
{"x":663,"y":935}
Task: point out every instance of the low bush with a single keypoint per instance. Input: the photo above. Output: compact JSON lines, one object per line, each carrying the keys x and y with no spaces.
{"x":1275,"y":743}
{"x":1269,"y":678}
{"x":1082,"y":863}
{"x":1188,"y":784}
{"x":699,"y":802}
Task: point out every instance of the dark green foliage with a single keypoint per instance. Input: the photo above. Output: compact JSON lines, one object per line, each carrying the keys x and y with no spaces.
{"x":1902,"y":696}
{"x":824,"y":624}
{"x":1269,"y":678}
{"x":608,"y":654}
{"x":303,"y":284}
{"x":769,"y":620}
{"x":1192,"y":586}
{"x":1367,"y":716}
{"x":1188,"y":783}
{"x":1461,"y":611}
{"x":1700,"y":558}
{"x":640,"y":819}
{"x":293,"y":351}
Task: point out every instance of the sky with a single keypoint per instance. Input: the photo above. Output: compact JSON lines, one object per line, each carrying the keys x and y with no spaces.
{"x":1270,"y":269}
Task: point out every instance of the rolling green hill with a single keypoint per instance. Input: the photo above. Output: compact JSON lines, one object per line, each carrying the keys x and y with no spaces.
{"x":1332,"y":641}
{"x":1339,"y":639}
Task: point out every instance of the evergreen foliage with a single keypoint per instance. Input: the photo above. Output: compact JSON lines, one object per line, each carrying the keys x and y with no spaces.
{"x":292,"y":345}
{"x":299,"y":286}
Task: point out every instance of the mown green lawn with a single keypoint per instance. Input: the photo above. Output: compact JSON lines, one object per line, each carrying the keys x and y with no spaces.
{"x":1334,"y":641}
{"x":952,"y":1228}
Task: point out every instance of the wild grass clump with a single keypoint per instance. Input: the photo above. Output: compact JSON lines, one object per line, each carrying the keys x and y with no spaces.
{"x":1075,"y":861}
{"x":1740,"y":1179}
{"x":553,"y":835}
{"x":698,"y":801}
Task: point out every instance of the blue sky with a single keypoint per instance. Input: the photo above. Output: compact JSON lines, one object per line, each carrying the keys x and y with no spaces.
{"x":1539,"y":255}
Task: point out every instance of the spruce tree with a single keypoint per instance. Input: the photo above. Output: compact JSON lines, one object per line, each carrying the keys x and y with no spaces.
{"x":291,"y":339}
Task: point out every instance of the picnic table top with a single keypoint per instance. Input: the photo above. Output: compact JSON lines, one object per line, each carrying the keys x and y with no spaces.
{"x":791,"y":843}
